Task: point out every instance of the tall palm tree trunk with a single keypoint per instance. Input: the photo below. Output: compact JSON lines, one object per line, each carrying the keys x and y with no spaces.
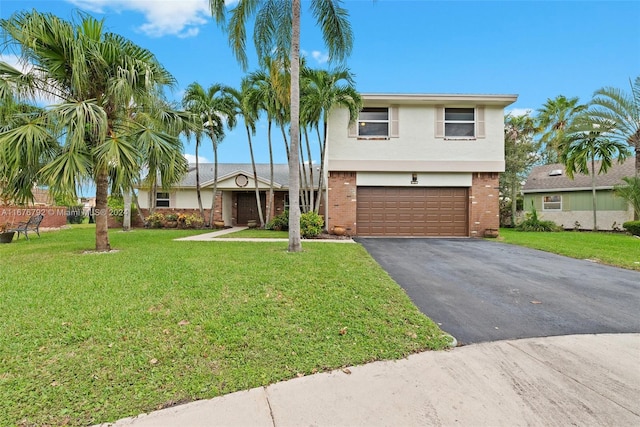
{"x":198,"y":190}
{"x":323,"y":144}
{"x":126,"y":219}
{"x":255,"y":179}
{"x":295,"y":244}
{"x":284,"y":138}
{"x":593,"y":193}
{"x":310,"y":162}
{"x":215,"y":182}
{"x":303,"y":181}
{"x":270,"y":197}
{"x":102,"y":227}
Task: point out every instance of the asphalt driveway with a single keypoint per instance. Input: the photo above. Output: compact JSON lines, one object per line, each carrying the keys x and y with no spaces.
{"x":480,"y":290}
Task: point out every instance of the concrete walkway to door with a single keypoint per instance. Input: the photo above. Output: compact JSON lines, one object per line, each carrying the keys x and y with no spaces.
{"x":213,"y":236}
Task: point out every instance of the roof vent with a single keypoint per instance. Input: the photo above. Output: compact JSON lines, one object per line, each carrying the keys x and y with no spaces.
{"x":555,"y":172}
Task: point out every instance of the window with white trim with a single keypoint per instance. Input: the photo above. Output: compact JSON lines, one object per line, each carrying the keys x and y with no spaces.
{"x":552,"y":203}
{"x":373,"y":122}
{"x":459,"y":123}
{"x":464,"y":123}
{"x":162,"y":200}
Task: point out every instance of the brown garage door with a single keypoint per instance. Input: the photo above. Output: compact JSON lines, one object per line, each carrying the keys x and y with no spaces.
{"x":411,"y":211}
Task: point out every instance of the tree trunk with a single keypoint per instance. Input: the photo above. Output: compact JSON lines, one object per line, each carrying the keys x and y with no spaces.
{"x":514,"y":199}
{"x":137,"y":202}
{"x":215,"y":182}
{"x":102,"y":227}
{"x":126,"y":219}
{"x":593,"y":193}
{"x":323,"y":143}
{"x":198,"y":192}
{"x":270,"y":197}
{"x":295,"y":244}
{"x":310,"y":163}
{"x":284,"y":138}
{"x":255,"y":179}
{"x":303,"y":180}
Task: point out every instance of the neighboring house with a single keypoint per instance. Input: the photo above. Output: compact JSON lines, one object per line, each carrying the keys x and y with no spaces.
{"x":569,"y":202}
{"x":236,"y":200}
{"x":417,"y":165}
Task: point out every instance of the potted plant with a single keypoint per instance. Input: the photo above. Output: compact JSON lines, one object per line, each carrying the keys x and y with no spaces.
{"x":171,"y":221}
{"x":6,"y":235}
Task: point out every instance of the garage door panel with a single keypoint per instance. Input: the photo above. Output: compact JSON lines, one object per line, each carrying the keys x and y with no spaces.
{"x":407,"y":211}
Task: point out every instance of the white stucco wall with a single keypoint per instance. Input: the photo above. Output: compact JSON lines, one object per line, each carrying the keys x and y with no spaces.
{"x":404,"y":179}
{"x":417,"y":148}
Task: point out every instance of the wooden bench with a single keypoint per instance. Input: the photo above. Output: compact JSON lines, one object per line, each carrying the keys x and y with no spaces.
{"x":32,"y":225}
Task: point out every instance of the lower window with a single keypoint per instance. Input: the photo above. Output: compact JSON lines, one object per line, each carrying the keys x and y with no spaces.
{"x":552,"y":203}
{"x":162,"y":200}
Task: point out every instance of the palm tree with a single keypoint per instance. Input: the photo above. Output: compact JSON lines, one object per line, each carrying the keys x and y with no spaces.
{"x":554,"y":118}
{"x":620,"y":113}
{"x":268,"y":92}
{"x":277,"y":29}
{"x":212,"y":106}
{"x":97,"y":76}
{"x":630,"y":191}
{"x":324,"y":91}
{"x":249,"y":112}
{"x":588,"y":143}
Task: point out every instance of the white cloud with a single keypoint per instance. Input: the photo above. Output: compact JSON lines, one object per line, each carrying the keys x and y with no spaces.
{"x":192,"y":159}
{"x":181,"y":18}
{"x":520,"y":112}
{"x":320,"y":57}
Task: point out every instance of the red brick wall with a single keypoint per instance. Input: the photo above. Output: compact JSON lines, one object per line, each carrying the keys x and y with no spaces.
{"x":342,"y":201}
{"x":54,"y":216}
{"x":484,"y":209}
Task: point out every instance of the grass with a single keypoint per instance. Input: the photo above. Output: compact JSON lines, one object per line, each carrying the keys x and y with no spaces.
{"x":608,"y":248}
{"x":257,"y":233}
{"x":87,"y":338}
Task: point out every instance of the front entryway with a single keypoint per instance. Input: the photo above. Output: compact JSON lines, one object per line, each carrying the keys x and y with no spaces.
{"x":248,"y":208}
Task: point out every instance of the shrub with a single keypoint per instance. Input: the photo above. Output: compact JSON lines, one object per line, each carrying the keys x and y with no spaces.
{"x":310,"y":224}
{"x":533,"y":223}
{"x":279,"y":222}
{"x":632,"y":227}
{"x":193,"y":221}
{"x":154,"y":220}
{"x":171,"y":217}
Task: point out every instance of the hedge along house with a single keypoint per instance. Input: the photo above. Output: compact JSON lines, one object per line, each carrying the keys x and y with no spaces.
{"x":569,"y":202}
{"x":416,"y":165}
{"x":236,"y":198}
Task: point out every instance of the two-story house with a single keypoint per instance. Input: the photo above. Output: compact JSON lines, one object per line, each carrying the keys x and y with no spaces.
{"x":416,"y":165}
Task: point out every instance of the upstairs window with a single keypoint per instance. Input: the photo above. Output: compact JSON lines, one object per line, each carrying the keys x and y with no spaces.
{"x":459,"y":123}
{"x":376,"y":123}
{"x":552,"y":203}
{"x":373,"y":122}
{"x":162,"y":200}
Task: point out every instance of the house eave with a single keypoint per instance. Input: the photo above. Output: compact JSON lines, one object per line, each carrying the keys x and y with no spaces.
{"x":563,"y":190}
{"x":438,"y":98}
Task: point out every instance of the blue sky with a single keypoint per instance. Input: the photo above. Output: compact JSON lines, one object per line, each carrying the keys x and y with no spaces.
{"x":536,"y":49}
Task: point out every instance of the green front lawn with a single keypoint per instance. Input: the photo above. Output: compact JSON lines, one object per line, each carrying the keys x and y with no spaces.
{"x":88,"y":338}
{"x":608,"y":248}
{"x":256,"y":233}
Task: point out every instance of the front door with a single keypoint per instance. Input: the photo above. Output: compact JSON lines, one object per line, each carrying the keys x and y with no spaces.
{"x":248,"y":208}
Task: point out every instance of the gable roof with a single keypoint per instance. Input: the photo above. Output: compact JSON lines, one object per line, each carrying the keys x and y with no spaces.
{"x":545,"y":179}
{"x":229,"y":170}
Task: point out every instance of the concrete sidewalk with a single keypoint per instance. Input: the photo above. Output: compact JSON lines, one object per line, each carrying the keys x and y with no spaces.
{"x":564,"y":380}
{"x":214,"y":235}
